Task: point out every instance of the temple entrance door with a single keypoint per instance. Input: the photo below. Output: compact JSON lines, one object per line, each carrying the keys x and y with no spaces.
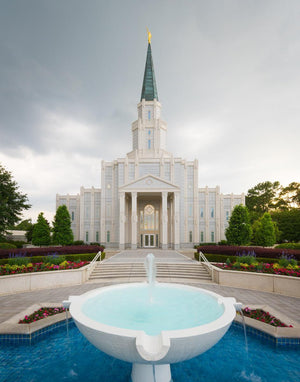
{"x":149,"y":241}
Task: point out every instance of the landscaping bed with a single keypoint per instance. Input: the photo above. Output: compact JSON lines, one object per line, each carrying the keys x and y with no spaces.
{"x":8,"y":269}
{"x":41,"y":313}
{"x":266,"y":317}
{"x":262,"y":252}
{"x":275,"y":269}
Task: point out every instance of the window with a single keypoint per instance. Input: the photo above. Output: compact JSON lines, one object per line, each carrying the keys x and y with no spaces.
{"x":149,"y":115}
{"x":212,"y":237}
{"x":149,"y":144}
{"x":97,"y":236}
{"x":73,"y":216}
{"x":87,"y":237}
{"x":201,"y":236}
{"x":212,"y":212}
{"x":201,"y":212}
{"x":227,"y":215}
{"x":149,"y":132}
{"x":190,"y":210}
{"x":108,"y":236}
{"x":191,"y":236}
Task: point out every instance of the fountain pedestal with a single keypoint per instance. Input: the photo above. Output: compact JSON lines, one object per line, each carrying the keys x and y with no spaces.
{"x":150,"y":373}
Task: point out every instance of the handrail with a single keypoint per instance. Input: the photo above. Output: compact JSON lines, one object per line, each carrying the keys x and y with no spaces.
{"x":206,"y":262}
{"x":92,"y":264}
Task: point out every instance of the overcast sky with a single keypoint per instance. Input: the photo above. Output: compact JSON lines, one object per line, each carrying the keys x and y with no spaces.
{"x":71,"y":72}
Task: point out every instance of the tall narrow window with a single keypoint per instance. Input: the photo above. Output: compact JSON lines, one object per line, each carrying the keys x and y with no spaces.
{"x":201,"y":212}
{"x":149,"y":115}
{"x":149,"y":144}
{"x":212,"y":212}
{"x":87,"y":237}
{"x":191,"y":236}
{"x":201,"y":236}
{"x":73,"y":216}
{"x":227,"y":215}
{"x":212,"y":237}
{"x":97,"y":236}
{"x":108,"y":236}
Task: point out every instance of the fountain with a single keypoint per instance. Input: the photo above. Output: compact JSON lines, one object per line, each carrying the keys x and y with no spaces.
{"x":152,"y":325}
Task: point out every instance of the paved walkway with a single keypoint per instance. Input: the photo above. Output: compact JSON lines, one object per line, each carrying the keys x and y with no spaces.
{"x":139,"y":255}
{"x":13,"y":304}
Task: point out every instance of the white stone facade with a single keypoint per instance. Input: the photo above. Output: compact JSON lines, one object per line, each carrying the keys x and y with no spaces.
{"x":149,"y":198}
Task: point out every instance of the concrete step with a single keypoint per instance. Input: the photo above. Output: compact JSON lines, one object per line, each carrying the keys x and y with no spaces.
{"x":108,"y":270}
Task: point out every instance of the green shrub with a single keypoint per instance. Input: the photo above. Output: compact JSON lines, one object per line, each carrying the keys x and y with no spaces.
{"x":54,"y":259}
{"x":7,"y":246}
{"x":219,"y":258}
{"x":223,"y":242}
{"x":18,"y":261}
{"x":78,"y":242}
{"x":289,"y":246}
{"x":246,"y":259}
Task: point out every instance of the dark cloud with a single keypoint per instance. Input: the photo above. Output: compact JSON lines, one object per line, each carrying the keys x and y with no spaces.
{"x":71,"y":75}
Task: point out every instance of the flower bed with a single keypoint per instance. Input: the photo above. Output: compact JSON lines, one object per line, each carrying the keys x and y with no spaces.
{"x":40,"y":267}
{"x":266,"y":317}
{"x":40,"y":314}
{"x":231,"y":250}
{"x":275,"y":269}
{"x":46,"y":251}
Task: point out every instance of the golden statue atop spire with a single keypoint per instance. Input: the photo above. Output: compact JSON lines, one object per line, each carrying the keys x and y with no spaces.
{"x":149,"y":36}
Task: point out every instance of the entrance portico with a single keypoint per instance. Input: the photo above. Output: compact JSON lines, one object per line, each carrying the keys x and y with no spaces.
{"x":149,"y":214}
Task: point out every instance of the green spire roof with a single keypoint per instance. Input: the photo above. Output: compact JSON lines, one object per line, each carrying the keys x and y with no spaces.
{"x":149,"y":90}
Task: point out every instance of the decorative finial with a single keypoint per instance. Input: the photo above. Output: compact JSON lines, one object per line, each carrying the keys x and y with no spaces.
{"x":149,"y":36}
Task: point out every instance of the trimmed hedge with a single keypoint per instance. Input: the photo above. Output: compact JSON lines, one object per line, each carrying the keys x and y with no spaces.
{"x":46,"y":251}
{"x":74,"y":257}
{"x":7,"y":246}
{"x":231,"y":250}
{"x":217,"y":258}
{"x":288,"y":246}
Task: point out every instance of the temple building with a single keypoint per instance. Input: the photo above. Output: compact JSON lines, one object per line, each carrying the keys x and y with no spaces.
{"x":149,"y":198}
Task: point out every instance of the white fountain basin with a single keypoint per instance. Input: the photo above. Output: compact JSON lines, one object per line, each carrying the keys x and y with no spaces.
{"x":137,"y":347}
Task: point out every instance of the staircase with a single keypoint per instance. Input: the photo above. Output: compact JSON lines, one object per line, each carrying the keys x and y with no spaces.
{"x":165,"y":272}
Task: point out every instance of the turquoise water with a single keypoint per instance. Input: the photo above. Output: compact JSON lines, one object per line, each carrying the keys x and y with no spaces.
{"x":153,"y":309}
{"x":71,"y":358}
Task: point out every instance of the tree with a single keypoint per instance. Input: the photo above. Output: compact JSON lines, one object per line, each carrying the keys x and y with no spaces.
{"x":41,"y":231}
{"x":289,"y":196}
{"x":264,"y":232}
{"x":288,"y":223}
{"x":12,"y":201}
{"x":263,"y":197}
{"x":62,"y":232}
{"x":239,"y":230}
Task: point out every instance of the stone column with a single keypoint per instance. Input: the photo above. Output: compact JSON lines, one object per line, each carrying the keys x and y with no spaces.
{"x":122,"y":220}
{"x":133,"y":220}
{"x":176,"y":222}
{"x":164,"y":240}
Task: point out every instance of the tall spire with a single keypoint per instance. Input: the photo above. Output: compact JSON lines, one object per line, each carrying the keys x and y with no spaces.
{"x":149,"y":90}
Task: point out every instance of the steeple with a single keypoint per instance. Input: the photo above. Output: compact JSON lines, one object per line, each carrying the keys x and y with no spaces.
{"x":149,"y":90}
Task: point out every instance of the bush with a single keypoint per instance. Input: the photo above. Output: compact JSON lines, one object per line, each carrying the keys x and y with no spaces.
{"x":46,"y":251}
{"x":288,"y":246}
{"x":7,"y":246}
{"x":223,"y":242}
{"x":78,"y":242}
{"x":18,"y":261}
{"x":231,"y":250}
{"x":17,"y":243}
{"x":54,"y":259}
{"x":41,"y":259}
